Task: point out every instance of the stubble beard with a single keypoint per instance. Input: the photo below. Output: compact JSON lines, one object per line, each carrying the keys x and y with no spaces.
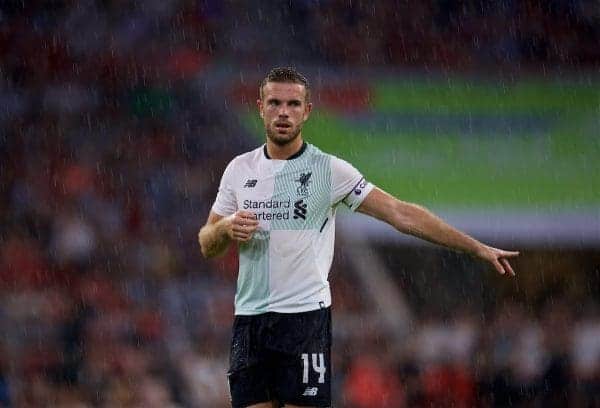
{"x":282,"y":140}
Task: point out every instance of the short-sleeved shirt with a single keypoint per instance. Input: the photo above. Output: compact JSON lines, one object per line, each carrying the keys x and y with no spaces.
{"x":284,"y":267}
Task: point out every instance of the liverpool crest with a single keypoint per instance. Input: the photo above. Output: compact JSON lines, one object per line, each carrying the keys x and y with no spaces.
{"x":304,"y":181}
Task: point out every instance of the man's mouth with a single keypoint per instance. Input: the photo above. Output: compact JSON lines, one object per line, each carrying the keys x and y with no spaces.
{"x":282,"y":125}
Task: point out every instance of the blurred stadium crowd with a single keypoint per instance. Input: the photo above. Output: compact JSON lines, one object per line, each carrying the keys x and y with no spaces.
{"x":111,"y":147}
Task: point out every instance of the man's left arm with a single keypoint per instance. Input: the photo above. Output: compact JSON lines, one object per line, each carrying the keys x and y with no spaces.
{"x":418,"y":221}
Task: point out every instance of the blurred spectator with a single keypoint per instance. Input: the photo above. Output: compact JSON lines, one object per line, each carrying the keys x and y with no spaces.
{"x":372,"y":382}
{"x":111,"y":137}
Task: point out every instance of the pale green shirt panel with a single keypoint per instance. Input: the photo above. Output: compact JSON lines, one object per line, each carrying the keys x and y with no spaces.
{"x":285,"y":266}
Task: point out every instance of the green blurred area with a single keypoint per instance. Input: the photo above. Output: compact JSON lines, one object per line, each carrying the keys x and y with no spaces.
{"x":462,"y":96}
{"x":540,"y":150}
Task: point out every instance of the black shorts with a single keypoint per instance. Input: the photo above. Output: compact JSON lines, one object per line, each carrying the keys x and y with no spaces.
{"x":283,"y":357}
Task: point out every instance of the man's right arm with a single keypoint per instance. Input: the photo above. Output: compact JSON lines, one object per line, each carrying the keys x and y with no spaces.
{"x":218,"y":232}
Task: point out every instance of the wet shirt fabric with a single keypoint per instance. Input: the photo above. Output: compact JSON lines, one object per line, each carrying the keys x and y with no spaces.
{"x":284,"y":268}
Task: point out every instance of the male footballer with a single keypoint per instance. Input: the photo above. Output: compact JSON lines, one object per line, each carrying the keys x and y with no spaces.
{"x":278,"y":204}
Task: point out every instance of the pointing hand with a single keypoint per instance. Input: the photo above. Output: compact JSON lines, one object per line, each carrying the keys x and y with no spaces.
{"x":498,"y":258}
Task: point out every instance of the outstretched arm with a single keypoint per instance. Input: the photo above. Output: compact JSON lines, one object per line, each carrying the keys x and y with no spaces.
{"x":218,"y":232}
{"x":415,"y":220}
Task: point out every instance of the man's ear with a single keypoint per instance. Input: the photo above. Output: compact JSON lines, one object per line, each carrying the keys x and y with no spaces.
{"x":308,"y":110}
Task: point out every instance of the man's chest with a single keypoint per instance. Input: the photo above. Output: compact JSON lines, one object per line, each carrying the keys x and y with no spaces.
{"x":290,"y":197}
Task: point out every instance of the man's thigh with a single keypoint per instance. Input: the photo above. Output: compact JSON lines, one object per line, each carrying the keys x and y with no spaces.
{"x":288,"y":379}
{"x":300,"y":358}
{"x":248,"y":373}
{"x":281,"y":357}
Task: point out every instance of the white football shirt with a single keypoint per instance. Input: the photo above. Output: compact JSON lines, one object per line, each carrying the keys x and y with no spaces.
{"x":285,"y":266}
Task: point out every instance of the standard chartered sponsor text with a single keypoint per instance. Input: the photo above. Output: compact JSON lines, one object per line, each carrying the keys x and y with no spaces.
{"x":270,"y":204}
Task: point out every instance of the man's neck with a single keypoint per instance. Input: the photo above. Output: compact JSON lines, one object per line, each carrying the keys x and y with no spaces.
{"x":284,"y":152}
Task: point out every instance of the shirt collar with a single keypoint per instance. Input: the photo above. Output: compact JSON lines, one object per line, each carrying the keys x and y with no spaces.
{"x":292,"y":157}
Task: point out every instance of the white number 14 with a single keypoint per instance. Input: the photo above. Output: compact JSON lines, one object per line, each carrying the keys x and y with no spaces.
{"x":318,"y":367}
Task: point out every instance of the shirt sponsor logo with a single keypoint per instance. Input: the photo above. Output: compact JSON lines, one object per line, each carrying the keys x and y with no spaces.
{"x":279,"y":209}
{"x":251,"y":183}
{"x":300,"y":209}
{"x":276,"y":209}
{"x":310,"y":392}
{"x":251,"y":204}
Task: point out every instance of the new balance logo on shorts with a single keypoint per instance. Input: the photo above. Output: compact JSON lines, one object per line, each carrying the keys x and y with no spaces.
{"x":310,"y":392}
{"x":250,"y":183}
{"x":300,"y":209}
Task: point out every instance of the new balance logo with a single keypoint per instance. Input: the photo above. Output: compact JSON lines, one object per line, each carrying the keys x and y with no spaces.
{"x":250,"y":183}
{"x":310,"y":392}
{"x":300,"y":209}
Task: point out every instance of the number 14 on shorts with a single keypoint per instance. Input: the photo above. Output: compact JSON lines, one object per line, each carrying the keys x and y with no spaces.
{"x":318,"y":365}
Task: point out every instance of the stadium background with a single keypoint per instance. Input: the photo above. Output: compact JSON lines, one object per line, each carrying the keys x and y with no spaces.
{"x":117,"y":118}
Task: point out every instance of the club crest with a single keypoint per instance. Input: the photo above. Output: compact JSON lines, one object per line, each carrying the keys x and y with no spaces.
{"x":304,"y":181}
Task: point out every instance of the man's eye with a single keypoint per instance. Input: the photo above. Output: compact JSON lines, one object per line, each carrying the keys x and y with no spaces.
{"x":273,"y":103}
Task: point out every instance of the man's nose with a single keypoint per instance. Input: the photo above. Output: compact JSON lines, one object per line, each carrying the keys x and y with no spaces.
{"x":283,"y":111}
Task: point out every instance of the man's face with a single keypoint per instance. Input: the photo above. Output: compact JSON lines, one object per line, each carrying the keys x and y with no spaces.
{"x":283,"y":109}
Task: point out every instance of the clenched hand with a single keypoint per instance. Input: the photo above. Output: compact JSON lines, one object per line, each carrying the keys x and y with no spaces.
{"x":241,"y":225}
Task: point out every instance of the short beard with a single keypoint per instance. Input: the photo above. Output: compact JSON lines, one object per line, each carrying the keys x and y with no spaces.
{"x":281,"y":140}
